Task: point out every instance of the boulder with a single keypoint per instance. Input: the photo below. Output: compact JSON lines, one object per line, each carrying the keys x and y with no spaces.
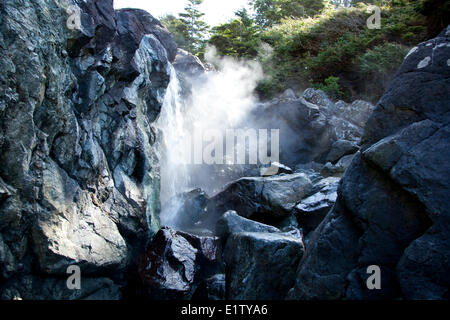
{"x":261,"y":199}
{"x":392,"y":209}
{"x":340,"y":149}
{"x":310,"y":125}
{"x":231,"y":223}
{"x":274,"y":169}
{"x":208,"y":252}
{"x":167,"y":268}
{"x":312,"y":210}
{"x":261,"y":266}
{"x":188,"y":64}
{"x":338,"y":169}
{"x":174,"y":262}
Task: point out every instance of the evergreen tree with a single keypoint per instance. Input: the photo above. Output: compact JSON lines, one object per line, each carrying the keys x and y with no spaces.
{"x":270,"y":12}
{"x":194,"y":25}
{"x":177,"y":28}
{"x":238,"y":37}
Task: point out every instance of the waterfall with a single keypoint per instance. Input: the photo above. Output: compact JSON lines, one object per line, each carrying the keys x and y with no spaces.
{"x":174,"y":173}
{"x":217,"y":100}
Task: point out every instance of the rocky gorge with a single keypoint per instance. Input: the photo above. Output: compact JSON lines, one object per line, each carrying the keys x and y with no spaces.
{"x":81,"y":150}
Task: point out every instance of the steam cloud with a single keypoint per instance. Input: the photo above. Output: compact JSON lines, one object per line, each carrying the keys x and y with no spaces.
{"x":219,"y":100}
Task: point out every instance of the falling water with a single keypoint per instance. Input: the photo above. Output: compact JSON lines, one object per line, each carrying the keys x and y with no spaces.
{"x":174,"y":173}
{"x":218,"y":100}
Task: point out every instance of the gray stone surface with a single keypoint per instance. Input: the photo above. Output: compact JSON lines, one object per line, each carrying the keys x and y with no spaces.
{"x":212,"y":288}
{"x":261,"y":266}
{"x":340,"y":149}
{"x":231,"y":223}
{"x":175,"y":262}
{"x":312,"y":210}
{"x":392,"y":208}
{"x":311,"y":124}
{"x":37,"y":288}
{"x":261,"y":199}
{"x":79,"y":174}
{"x":188,"y":64}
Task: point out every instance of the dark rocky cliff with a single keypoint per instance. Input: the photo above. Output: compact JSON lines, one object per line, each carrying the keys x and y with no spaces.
{"x":81,"y":87}
{"x":392,"y":208}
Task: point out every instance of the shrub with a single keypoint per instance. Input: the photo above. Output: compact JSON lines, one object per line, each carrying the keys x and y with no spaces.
{"x":331,"y":88}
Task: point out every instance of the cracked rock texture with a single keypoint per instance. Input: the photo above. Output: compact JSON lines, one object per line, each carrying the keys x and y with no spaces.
{"x":392,"y":208}
{"x":81,"y":86}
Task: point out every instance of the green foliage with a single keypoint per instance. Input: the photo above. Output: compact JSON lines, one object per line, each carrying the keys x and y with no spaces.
{"x":326,"y":43}
{"x":331,"y":88}
{"x":382,"y":59}
{"x":271,"y":12}
{"x":195,"y":28}
{"x":337,"y":43}
{"x":238,"y":38}
{"x":177,"y":28}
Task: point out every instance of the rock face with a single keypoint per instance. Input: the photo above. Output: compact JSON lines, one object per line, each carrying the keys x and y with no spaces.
{"x":261,"y":199}
{"x":38,"y":288}
{"x":211,"y":289}
{"x":231,"y":223}
{"x":191,"y":208}
{"x":311,"y":124}
{"x":392,"y":208}
{"x":79,"y":175}
{"x":261,"y":266}
{"x":312,"y":210}
{"x":188,"y":64}
{"x":175,"y":262}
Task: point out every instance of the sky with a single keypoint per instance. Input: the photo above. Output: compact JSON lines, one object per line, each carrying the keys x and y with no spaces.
{"x":216,"y":11}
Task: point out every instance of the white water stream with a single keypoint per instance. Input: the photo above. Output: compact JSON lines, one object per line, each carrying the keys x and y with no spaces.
{"x":219,"y":100}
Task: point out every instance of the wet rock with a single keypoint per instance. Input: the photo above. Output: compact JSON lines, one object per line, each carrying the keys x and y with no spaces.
{"x":231,"y":223}
{"x":312,"y":210}
{"x":211,"y":289}
{"x":311,"y":124}
{"x":79,"y":148}
{"x":338,"y":169}
{"x":391,"y":209}
{"x":174,"y":262}
{"x":36,"y":288}
{"x":274,"y":169}
{"x":261,"y":266}
{"x":340,"y":149}
{"x":78,"y":232}
{"x":261,"y":199}
{"x":208,"y":253}
{"x":188,"y":64}
{"x":191,"y":208}
{"x":168,"y":267}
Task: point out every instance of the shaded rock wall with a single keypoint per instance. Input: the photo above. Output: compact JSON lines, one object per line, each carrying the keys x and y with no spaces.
{"x":311,"y":124}
{"x":81,"y":87}
{"x":392,"y":208}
